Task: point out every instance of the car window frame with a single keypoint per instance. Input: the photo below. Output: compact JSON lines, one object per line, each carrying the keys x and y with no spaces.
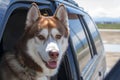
{"x":77,"y":10}
{"x":97,"y":40}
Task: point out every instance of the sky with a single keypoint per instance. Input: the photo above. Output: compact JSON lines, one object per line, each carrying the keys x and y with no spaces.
{"x":98,"y":8}
{"x":101,"y":8}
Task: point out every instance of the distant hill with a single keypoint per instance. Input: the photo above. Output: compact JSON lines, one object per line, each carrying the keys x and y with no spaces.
{"x":107,"y":19}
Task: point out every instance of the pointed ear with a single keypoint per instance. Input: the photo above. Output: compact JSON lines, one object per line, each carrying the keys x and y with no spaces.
{"x":32,"y":15}
{"x":61,"y":14}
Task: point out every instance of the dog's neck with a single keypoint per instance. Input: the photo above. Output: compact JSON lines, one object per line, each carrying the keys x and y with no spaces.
{"x":26,"y":61}
{"x":17,"y":66}
{"x":18,"y":69}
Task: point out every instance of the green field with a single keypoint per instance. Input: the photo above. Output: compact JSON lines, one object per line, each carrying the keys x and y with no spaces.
{"x":109,"y":26}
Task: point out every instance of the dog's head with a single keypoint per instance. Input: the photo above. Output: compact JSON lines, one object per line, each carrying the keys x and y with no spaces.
{"x":48,"y":37}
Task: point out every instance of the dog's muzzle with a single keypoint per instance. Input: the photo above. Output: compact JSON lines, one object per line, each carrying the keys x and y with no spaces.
{"x":53,"y":62}
{"x":53,"y":52}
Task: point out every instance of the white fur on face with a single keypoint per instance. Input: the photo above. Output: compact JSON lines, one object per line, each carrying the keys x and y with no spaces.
{"x":39,"y":49}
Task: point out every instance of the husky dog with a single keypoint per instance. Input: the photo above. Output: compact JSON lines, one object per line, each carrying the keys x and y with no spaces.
{"x":38,"y":53}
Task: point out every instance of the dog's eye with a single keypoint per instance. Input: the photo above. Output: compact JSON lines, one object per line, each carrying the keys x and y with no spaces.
{"x":58,"y":36}
{"x":41,"y":37}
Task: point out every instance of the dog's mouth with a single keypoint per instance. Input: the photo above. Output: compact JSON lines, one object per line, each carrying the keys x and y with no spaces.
{"x":52,"y":64}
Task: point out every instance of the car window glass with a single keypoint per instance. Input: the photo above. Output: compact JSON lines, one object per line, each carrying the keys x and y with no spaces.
{"x":95,"y":34}
{"x":79,"y":40}
{"x":91,"y":26}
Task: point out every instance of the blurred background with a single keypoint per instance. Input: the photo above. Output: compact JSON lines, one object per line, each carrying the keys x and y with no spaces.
{"x":106,"y":14}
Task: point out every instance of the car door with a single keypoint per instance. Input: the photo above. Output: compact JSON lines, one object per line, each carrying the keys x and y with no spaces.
{"x":84,"y":45}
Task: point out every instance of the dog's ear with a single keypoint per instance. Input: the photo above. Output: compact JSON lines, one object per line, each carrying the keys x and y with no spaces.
{"x":32,"y":15}
{"x":61,"y":14}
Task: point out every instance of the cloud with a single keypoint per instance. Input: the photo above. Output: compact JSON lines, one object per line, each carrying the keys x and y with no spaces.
{"x":101,"y":8}
{"x":103,"y":12}
{"x":99,"y":12}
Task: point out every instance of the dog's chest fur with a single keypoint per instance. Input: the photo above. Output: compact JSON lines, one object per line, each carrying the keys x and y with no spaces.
{"x":13,"y":69}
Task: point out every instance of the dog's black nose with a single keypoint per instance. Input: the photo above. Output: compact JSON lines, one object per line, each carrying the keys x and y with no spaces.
{"x":53,"y":55}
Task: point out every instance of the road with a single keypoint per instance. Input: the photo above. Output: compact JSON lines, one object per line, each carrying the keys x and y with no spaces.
{"x":112,"y":37}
